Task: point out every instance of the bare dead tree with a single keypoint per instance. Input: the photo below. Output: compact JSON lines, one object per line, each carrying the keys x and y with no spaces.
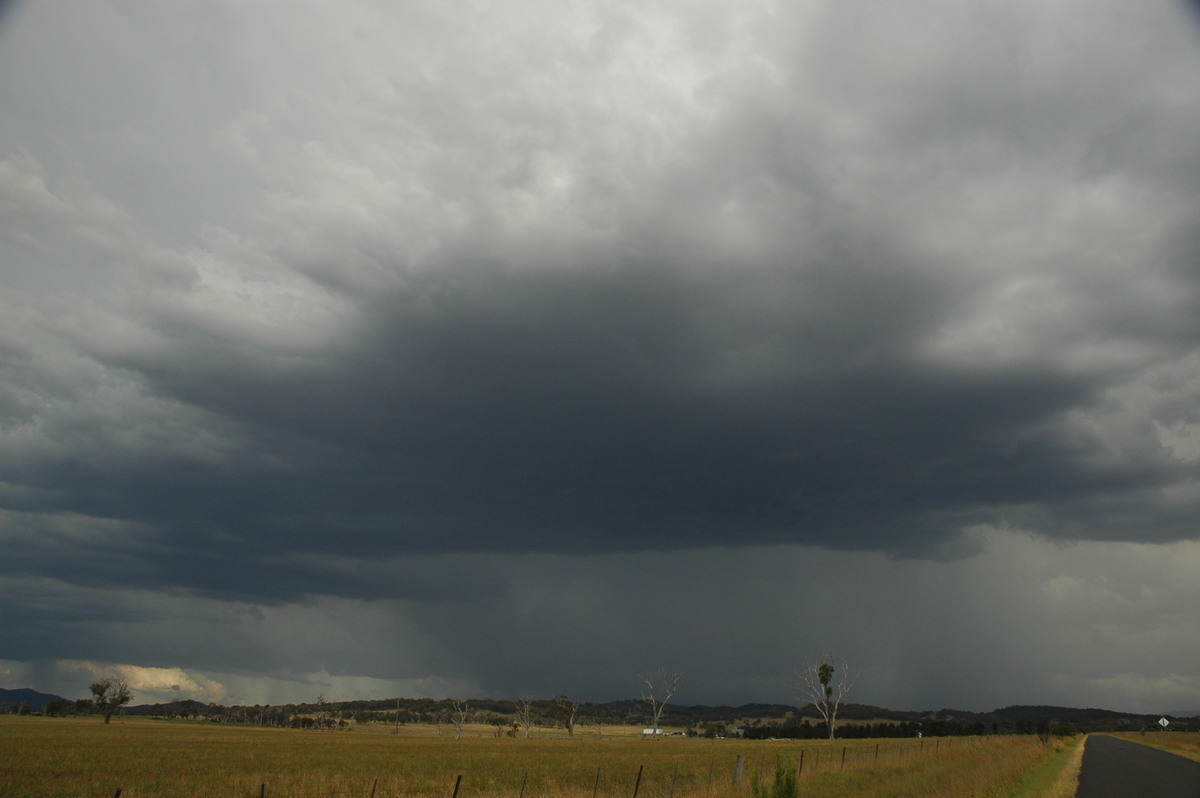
{"x":322,"y":711}
{"x":459,"y":715}
{"x":824,"y":684}
{"x":525,"y":713}
{"x":657,"y":691}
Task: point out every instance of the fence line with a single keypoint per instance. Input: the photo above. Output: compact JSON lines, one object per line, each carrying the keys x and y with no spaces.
{"x":810,"y":760}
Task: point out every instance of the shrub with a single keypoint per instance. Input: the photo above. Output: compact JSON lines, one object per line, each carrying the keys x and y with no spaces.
{"x":784,"y":785}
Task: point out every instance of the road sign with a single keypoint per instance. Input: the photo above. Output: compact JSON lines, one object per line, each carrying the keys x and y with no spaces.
{"x":1164,"y":722}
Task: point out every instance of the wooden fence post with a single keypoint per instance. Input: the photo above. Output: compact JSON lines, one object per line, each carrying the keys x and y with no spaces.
{"x":457,"y":782}
{"x":524,"y":779}
{"x":800,"y":765}
{"x":373,"y":786}
{"x":737,"y":771}
{"x":638,"y":783}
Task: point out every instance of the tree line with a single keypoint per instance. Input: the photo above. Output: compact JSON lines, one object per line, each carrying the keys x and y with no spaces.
{"x":927,"y":728}
{"x":825,"y":682}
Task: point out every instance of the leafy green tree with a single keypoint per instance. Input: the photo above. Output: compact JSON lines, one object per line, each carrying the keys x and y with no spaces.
{"x":567,"y":710}
{"x":499,"y":723}
{"x":59,"y":706}
{"x":110,"y":693}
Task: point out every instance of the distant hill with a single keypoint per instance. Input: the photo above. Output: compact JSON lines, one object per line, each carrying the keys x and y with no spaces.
{"x":31,"y":698}
{"x":39,"y":701}
{"x":765,"y":717}
{"x":1025,"y":714}
{"x":759,"y":715}
{"x":1190,"y":713}
{"x":1006,"y":716}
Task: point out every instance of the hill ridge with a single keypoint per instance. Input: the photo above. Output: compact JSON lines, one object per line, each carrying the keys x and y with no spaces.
{"x":693,"y":713}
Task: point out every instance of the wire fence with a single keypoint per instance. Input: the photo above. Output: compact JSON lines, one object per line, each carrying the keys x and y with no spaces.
{"x":682,"y":778}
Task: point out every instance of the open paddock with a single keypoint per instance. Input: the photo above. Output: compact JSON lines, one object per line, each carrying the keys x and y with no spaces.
{"x":42,"y":757}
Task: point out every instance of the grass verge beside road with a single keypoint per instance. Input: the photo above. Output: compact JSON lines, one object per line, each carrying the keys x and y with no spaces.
{"x":1057,"y":776}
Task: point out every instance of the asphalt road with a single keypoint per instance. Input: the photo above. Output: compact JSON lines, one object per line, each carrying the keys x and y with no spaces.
{"x":1115,"y":768}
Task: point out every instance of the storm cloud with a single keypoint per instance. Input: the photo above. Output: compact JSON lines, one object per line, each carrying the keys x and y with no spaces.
{"x":371,"y":320}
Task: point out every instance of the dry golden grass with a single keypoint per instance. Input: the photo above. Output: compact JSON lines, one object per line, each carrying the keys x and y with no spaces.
{"x":1066,"y":783}
{"x":81,"y":756}
{"x":1058,"y":775}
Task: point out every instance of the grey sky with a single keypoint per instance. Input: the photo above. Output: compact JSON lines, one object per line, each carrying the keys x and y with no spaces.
{"x":520,"y":349}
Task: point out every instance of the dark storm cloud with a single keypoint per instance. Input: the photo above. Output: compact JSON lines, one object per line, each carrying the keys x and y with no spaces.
{"x":484,"y":408}
{"x":312,"y":325}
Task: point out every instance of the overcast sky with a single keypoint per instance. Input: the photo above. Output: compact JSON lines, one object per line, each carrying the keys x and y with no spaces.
{"x":495,"y":349}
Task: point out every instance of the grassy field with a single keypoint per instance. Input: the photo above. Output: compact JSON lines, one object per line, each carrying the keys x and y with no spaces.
{"x":143,"y":758}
